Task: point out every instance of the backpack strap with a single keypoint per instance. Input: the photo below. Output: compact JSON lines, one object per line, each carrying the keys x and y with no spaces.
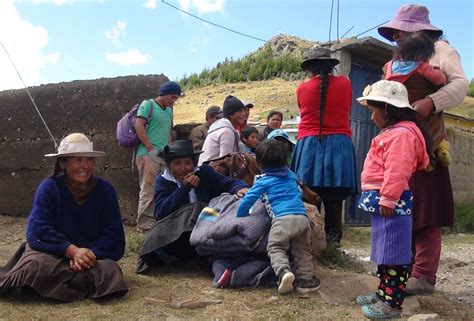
{"x":150,"y":113}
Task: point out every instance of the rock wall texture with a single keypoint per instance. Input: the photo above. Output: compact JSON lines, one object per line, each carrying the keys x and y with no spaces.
{"x":92,"y":107}
{"x":461,"y":169}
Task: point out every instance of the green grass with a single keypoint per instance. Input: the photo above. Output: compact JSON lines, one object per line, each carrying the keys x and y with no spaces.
{"x":463,"y":218}
{"x":465,"y":109}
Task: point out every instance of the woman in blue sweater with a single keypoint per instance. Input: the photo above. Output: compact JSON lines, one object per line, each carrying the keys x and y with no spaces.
{"x":181,"y":192}
{"x":75,"y":233}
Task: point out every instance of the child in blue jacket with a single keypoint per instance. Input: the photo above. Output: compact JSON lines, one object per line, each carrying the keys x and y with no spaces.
{"x":290,"y":231}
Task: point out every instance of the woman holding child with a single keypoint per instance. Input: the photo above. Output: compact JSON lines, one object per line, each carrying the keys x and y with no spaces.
{"x":433,"y":205}
{"x":74,"y":234}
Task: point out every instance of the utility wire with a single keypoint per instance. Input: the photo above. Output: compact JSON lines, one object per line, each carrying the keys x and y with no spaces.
{"x":337,"y":30}
{"x":330,"y":20}
{"x":214,"y":24}
{"x":31,"y":98}
{"x":372,"y":28}
{"x":345,"y":33}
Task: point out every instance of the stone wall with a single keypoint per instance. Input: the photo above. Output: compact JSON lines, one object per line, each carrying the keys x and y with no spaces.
{"x":462,"y":167}
{"x":91,"y":107}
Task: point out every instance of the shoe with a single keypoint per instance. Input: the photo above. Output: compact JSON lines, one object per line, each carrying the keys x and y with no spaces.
{"x":306,"y":286}
{"x":417,"y":286}
{"x":285,"y":284}
{"x":380,"y":310}
{"x":367,"y":299}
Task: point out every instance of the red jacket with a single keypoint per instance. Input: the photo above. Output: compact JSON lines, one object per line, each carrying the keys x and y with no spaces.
{"x":394,"y":155}
{"x":336,"y":112}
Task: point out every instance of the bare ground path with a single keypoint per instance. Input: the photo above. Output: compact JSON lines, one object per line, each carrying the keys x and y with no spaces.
{"x":150,"y":297}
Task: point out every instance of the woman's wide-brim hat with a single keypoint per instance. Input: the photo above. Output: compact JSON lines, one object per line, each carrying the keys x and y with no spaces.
{"x":409,"y":18}
{"x":387,"y":91}
{"x":179,"y":148}
{"x":317,"y":54}
{"x":76,"y":145}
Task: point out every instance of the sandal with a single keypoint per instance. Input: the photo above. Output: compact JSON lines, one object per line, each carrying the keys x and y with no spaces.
{"x":367,"y":299}
{"x":380,"y":310}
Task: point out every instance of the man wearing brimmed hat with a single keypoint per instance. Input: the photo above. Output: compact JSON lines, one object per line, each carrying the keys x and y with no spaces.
{"x":223,"y":138}
{"x":154,"y":134}
{"x":198,"y":134}
{"x":433,"y":206}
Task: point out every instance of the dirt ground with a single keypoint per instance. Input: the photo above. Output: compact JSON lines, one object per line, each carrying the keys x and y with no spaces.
{"x":151,"y":296}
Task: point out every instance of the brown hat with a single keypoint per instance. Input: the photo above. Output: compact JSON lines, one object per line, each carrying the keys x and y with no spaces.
{"x":317,"y":53}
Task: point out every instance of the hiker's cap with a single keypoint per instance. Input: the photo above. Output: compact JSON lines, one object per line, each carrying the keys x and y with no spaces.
{"x":315,"y":54}
{"x":387,"y":91}
{"x":214,"y":111}
{"x":179,"y":148}
{"x":170,"y":88}
{"x":279,"y":133}
{"x":78,"y":145}
{"x":247,"y":104}
{"x":409,"y":18}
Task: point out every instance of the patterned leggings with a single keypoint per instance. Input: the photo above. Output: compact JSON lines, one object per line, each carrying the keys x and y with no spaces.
{"x":393,"y":280}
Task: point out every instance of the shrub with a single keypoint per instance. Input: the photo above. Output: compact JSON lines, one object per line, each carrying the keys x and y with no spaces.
{"x":470,"y":91}
{"x":463,"y":218}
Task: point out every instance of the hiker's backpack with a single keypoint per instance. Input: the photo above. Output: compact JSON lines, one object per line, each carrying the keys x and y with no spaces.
{"x":126,"y":135}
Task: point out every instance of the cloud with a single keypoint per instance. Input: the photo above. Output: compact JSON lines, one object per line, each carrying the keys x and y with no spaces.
{"x":150,"y":4}
{"x":128,"y":58}
{"x":25,"y":44}
{"x":117,"y":32}
{"x":202,"y":6}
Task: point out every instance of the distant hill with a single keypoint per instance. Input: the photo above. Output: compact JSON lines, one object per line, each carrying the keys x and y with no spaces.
{"x":280,"y":57}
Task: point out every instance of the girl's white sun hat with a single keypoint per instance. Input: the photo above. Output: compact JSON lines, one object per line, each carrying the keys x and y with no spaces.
{"x":390,"y":92}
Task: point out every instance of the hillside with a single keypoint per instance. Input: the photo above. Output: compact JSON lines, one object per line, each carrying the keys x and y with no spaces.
{"x":275,"y":94}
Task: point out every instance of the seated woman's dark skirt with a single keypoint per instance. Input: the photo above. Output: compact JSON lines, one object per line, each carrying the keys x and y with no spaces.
{"x":50,"y":276}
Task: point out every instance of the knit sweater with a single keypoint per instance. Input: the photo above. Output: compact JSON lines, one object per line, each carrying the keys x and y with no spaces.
{"x":279,"y":190}
{"x":336,"y":112}
{"x":447,"y":59}
{"x":169,"y":196}
{"x":394,"y":155}
{"x":57,"y":220}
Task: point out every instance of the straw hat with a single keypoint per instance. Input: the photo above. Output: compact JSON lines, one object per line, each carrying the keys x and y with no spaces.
{"x":76,"y":144}
{"x":390,"y":92}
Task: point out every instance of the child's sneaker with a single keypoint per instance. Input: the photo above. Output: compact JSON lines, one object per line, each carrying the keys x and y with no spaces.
{"x":380,"y":310}
{"x":285,"y":283}
{"x":305,"y":286}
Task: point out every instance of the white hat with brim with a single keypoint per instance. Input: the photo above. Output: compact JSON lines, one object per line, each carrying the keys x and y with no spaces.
{"x":76,"y":145}
{"x":390,"y":92}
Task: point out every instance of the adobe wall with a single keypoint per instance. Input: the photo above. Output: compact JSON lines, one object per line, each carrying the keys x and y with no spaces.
{"x":91,"y":107}
{"x":462,"y":167}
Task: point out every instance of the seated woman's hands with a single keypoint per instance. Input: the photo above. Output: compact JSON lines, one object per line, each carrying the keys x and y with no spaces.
{"x":241,"y":192}
{"x":81,"y":258}
{"x":191,"y":180}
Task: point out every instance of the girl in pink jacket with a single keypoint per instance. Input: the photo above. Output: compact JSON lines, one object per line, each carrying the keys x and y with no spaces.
{"x":401,"y":148}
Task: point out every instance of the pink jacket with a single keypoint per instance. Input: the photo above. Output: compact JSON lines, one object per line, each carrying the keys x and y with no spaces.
{"x":394,"y":155}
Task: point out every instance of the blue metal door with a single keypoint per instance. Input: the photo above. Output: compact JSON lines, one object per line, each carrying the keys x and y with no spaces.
{"x":363,"y":130}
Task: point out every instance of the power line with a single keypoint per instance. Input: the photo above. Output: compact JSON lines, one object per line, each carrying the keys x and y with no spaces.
{"x":372,"y":28}
{"x":31,"y":98}
{"x":337,"y":30}
{"x":330,"y":20}
{"x":214,"y":24}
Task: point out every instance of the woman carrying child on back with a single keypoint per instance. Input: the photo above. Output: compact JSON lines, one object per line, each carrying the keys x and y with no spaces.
{"x":401,"y":148}
{"x":290,"y":230}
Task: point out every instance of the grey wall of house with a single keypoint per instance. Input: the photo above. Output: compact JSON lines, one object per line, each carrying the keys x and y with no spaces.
{"x":91,"y":107}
